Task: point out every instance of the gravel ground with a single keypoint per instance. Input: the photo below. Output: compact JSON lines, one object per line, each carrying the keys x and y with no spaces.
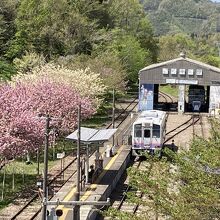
{"x":184,"y":139}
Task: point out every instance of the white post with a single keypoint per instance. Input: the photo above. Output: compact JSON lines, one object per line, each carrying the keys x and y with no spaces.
{"x":181,"y":99}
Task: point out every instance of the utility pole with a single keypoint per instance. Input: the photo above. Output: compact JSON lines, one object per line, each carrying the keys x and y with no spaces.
{"x":76,"y":210}
{"x":113,"y":115}
{"x":38,"y":161}
{"x":87,"y":164}
{"x":44,"y":213}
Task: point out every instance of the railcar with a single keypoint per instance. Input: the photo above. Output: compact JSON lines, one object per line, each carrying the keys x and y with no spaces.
{"x":148,"y":132}
{"x":196,"y":97}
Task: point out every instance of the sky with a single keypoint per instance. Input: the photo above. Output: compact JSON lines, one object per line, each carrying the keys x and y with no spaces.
{"x":215,"y":0}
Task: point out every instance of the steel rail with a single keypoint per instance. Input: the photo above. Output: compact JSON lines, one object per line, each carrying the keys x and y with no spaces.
{"x":202,"y":127}
{"x":33,"y":199}
{"x":74,"y":172}
{"x":124,"y":118}
{"x":124,"y":111}
{"x":201,"y":124}
{"x":125,"y":193}
{"x":191,"y":124}
{"x":163,"y":94}
{"x":186,"y":122}
{"x":36,"y":195}
{"x":39,"y":210}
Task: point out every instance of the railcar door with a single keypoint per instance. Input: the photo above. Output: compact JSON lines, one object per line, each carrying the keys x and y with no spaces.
{"x":147,"y":137}
{"x":156,"y":136}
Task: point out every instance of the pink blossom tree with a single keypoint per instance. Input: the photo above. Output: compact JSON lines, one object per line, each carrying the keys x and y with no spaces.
{"x":20,"y":103}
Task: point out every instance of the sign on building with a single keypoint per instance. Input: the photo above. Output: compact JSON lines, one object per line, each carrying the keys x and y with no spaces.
{"x":214,"y":102}
{"x":146,"y":97}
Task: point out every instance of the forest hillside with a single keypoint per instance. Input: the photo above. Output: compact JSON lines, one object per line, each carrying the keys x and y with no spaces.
{"x":199,"y":17}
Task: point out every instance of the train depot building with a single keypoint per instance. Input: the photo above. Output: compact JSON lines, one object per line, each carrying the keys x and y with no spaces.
{"x":198,"y":86}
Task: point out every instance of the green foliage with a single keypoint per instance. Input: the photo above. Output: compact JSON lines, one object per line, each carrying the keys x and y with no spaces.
{"x":170,"y":89}
{"x":107,"y":64}
{"x":171,"y":46}
{"x":6,"y":70}
{"x":144,"y":34}
{"x":63,"y":28}
{"x":188,"y":16}
{"x":126,"y":14}
{"x":28,"y":62}
{"x":212,"y":60}
{"x":130,"y":17}
{"x":52,"y":28}
{"x":132,"y":55}
{"x":204,"y":49}
{"x":7,"y":26}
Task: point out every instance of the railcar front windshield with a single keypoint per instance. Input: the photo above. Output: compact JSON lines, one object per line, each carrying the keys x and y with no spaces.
{"x":156,"y":131}
{"x":137,"y":130}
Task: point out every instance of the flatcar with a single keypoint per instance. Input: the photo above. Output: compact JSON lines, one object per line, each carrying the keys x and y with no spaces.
{"x":148,"y":132}
{"x":196,"y":97}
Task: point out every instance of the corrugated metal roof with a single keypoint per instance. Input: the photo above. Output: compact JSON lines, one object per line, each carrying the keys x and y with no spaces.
{"x":103,"y":135}
{"x":86,"y":133}
{"x":92,"y":135}
{"x":207,"y":66}
{"x":160,"y":64}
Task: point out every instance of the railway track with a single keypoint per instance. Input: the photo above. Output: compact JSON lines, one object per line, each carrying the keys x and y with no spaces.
{"x":119,"y":195}
{"x":200,"y":130}
{"x":122,"y":115}
{"x":31,"y":208}
{"x":166,"y":97}
{"x":169,"y":103}
{"x":195,"y":118}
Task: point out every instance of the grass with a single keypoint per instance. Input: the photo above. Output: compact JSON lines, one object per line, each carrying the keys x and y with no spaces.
{"x":26,"y":175}
{"x":170,"y":89}
{"x":104,"y":114}
{"x":98,"y":121}
{"x":100,"y":118}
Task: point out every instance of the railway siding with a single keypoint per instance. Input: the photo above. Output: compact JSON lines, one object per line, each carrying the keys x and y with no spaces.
{"x":175,"y":124}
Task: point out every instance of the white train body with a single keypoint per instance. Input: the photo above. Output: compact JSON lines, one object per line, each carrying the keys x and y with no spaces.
{"x":148,"y":131}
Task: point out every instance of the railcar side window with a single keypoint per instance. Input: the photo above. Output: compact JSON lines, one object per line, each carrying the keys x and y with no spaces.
{"x":146,"y":133}
{"x":156,"y":131}
{"x":137,"y":130}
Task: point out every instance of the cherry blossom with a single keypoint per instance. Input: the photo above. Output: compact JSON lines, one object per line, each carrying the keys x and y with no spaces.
{"x":20,"y":104}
